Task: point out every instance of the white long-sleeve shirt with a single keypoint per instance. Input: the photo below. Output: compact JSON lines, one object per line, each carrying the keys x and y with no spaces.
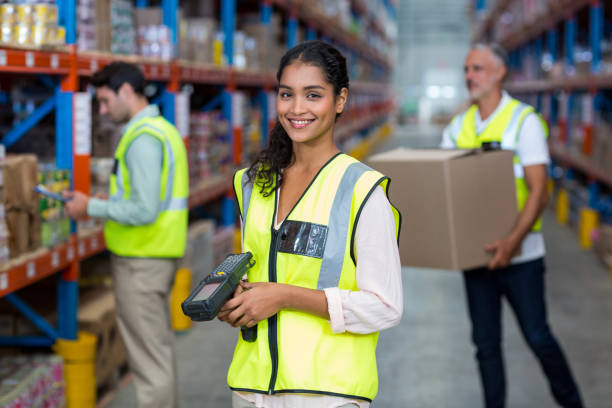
{"x":377,"y":305}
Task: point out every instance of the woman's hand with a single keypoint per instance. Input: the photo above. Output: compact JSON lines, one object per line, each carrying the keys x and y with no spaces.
{"x":252,"y":302}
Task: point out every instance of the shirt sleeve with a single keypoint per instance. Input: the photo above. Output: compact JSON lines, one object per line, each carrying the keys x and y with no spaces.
{"x":144,"y":162}
{"x":532,"y":148}
{"x":378,"y":304}
{"x":447,"y":142}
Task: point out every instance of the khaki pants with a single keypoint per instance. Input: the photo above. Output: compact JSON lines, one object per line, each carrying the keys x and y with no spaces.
{"x":142,"y":288}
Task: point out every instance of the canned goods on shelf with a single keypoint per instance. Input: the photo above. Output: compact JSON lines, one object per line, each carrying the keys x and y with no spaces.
{"x":25,"y":14}
{"x":45,"y":13}
{"x":7,"y":33}
{"x":40,"y":34}
{"x":23,"y":34}
{"x":8,"y":13}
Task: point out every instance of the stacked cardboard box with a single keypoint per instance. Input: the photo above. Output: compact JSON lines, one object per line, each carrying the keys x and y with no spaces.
{"x":86,"y":25}
{"x":267,"y":37}
{"x":115,"y":30}
{"x":20,"y":176}
{"x":198,"y":39}
{"x":208,"y":149}
{"x":97,"y":316}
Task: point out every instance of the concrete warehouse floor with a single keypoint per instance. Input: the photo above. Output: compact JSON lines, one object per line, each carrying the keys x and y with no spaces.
{"x":427,"y":361}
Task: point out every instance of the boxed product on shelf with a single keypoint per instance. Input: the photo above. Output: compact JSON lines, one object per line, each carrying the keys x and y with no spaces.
{"x":32,"y":381}
{"x":96,"y":315}
{"x":197,"y":37}
{"x":153,"y":38}
{"x":115,"y":29}
{"x":20,"y":201}
{"x":267,"y":39}
{"x":54,"y":222}
{"x":30,"y":24}
{"x":86,"y":25}
{"x":209,"y":149}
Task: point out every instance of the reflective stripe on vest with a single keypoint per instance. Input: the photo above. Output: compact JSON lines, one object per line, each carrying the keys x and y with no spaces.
{"x":166,"y":237}
{"x":296,"y":351}
{"x":504,"y":128}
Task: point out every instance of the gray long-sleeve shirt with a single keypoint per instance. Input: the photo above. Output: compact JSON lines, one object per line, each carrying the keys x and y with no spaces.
{"x":143,"y":159}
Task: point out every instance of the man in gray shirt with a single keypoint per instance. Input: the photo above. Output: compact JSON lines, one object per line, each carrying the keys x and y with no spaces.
{"x":146,"y":224}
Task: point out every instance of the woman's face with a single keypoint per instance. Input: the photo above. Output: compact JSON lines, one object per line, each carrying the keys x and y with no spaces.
{"x":306,"y":104}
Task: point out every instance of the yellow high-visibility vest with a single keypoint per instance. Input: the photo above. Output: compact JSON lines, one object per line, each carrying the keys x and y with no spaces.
{"x":504,"y":128}
{"x":166,"y":237}
{"x":296,"y":352}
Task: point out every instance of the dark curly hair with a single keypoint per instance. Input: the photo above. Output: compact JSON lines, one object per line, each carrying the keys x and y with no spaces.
{"x":279,"y":152}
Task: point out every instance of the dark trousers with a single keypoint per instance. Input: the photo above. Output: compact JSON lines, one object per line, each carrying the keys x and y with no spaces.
{"x":523,"y":287}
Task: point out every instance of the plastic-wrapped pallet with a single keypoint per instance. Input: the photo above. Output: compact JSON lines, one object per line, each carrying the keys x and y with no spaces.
{"x":33,"y":382}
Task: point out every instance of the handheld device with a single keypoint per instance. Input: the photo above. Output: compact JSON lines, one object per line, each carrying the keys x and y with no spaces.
{"x":214,"y":290}
{"x":43,"y":190}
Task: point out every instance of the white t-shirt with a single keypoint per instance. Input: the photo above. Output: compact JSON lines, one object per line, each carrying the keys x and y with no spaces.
{"x":531,"y":150}
{"x":377,"y":305}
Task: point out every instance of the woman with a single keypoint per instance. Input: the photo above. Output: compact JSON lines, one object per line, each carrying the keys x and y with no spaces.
{"x":324,"y":237}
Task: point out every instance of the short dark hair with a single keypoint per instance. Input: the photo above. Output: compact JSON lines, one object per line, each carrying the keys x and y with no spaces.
{"x":117,"y":73}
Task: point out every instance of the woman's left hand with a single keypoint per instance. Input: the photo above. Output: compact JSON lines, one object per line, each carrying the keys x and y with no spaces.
{"x":258,"y":301}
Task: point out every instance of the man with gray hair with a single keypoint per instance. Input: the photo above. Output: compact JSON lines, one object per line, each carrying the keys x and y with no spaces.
{"x":516,"y":269}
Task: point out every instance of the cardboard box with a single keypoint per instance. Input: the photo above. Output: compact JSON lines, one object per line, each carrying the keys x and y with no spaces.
{"x":20,"y":176}
{"x":453,"y":203}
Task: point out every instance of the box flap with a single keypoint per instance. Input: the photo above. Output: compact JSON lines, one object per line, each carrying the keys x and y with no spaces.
{"x":403,"y":153}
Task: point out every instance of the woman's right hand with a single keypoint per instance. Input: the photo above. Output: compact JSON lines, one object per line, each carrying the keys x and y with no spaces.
{"x":224,"y":312}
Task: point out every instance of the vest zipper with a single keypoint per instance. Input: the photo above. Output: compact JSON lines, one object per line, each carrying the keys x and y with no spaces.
{"x":272,"y":321}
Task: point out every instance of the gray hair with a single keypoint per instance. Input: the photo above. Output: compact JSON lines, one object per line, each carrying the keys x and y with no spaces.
{"x":496,"y":50}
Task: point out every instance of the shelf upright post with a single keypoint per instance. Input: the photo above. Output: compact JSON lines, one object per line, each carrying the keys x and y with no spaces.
{"x":170,"y":19}
{"x":552,"y":39}
{"x":311,"y":34}
{"x":570,"y":42}
{"x":596,"y":35}
{"x":292,"y":30}
{"x":263,"y":95}
{"x":228,"y":25}
{"x":78,"y":164}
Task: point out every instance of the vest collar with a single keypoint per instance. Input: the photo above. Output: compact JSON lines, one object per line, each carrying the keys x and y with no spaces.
{"x":149,"y":111}
{"x":480,"y":124}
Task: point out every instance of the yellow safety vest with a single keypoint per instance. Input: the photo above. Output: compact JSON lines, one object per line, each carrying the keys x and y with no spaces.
{"x":296,"y":352}
{"x":166,"y":237}
{"x":504,"y":128}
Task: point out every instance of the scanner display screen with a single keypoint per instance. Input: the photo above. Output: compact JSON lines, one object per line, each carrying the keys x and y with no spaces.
{"x":206,"y":291}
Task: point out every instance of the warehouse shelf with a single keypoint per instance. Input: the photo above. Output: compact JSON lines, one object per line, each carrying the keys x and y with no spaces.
{"x":33,"y":60}
{"x":33,"y":267}
{"x":210,"y":189}
{"x":329,"y":28}
{"x":557,"y":12}
{"x":365,"y":122}
{"x":491,"y":17}
{"x":57,"y":62}
{"x":30,"y":268}
{"x":580,"y":163}
{"x":568,"y":83}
